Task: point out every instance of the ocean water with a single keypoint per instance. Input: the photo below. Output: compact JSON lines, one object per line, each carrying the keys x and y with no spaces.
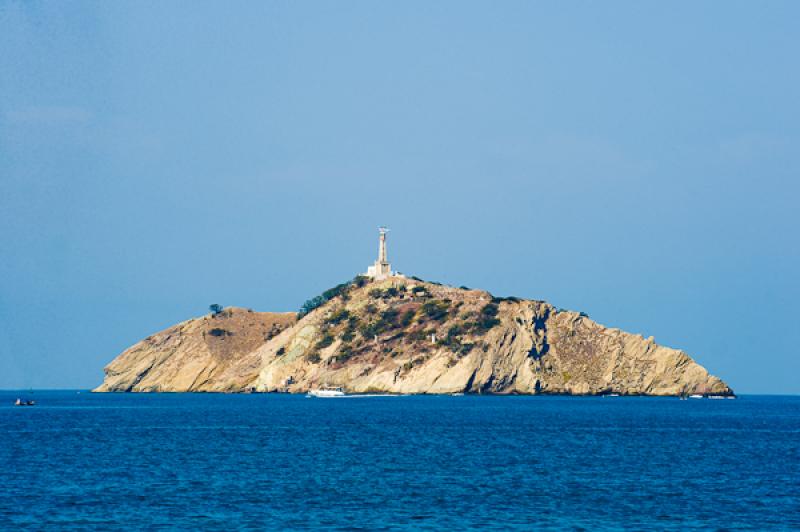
{"x":211,"y":461}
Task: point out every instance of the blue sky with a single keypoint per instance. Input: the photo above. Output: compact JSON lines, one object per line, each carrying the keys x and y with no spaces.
{"x":637,"y":161}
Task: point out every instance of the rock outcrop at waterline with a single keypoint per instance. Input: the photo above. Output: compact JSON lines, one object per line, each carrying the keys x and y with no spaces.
{"x":407,"y":336}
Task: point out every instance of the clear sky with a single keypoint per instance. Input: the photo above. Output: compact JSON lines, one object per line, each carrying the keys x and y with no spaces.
{"x":639,"y":161}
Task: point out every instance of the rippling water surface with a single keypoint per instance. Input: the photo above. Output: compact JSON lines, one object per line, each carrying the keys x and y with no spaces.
{"x":113,"y":461}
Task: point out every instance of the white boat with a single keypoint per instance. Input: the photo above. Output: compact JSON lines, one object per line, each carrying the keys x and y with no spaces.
{"x":695,"y":396}
{"x":326,"y":391}
{"x":716,"y":397}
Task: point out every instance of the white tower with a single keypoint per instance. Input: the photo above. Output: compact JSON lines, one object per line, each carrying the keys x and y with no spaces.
{"x":381,"y":269}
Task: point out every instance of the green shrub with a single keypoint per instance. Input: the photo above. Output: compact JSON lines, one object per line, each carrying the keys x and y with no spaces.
{"x":465,"y":348}
{"x":374,"y":328}
{"x":435,"y":310}
{"x":345,"y":352}
{"x":219,"y":332}
{"x":407,"y":318}
{"x":489,"y":310}
{"x":313,"y":357}
{"x":389,"y":315}
{"x":310,"y":305}
{"x":511,"y":299}
{"x":281,"y":351}
{"x":330,"y":293}
{"x":390,"y":292}
{"x":324,"y":342}
{"x":418,"y":335}
{"x":375,"y":293}
{"x":327,"y":295}
{"x":350,"y":329}
{"x":485,"y":321}
{"x":339,"y":316}
{"x":455,"y":330}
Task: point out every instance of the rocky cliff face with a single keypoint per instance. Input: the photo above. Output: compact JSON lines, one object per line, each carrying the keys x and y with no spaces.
{"x":408,"y":336}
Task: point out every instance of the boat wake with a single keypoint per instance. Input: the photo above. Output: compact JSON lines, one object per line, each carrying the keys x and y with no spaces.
{"x":354,"y":396}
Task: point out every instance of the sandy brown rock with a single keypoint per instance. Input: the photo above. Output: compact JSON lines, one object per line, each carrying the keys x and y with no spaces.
{"x":409,"y":336}
{"x":209,"y":353}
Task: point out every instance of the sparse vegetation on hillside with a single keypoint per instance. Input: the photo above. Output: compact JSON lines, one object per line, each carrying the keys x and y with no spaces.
{"x":395,"y":321}
{"x":338,"y":317}
{"x":435,"y":310}
{"x":510,"y":299}
{"x":420,"y":291}
{"x":345,"y":353}
{"x":274,"y":331}
{"x":324,"y":342}
{"x":418,"y":335}
{"x":327,"y":295}
{"x":390,"y":292}
{"x":406,"y":318}
{"x":390,"y":315}
{"x":486,"y":320}
{"x":215,"y":309}
{"x":350,"y":329}
{"x":374,"y":328}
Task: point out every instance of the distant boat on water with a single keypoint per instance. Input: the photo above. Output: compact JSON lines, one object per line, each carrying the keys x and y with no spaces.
{"x":326,"y":391}
{"x":24,"y":402}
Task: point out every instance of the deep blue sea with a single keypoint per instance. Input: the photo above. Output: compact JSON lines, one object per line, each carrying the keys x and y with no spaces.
{"x":215,"y":461}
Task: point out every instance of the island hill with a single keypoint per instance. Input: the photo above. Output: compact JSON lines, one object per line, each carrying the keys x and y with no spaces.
{"x":387,"y":333}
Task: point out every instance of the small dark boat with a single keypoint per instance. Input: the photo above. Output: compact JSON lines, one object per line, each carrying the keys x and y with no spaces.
{"x":21,"y":402}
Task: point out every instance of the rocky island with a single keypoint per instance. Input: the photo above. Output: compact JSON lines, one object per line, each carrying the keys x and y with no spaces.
{"x":388,"y":333}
